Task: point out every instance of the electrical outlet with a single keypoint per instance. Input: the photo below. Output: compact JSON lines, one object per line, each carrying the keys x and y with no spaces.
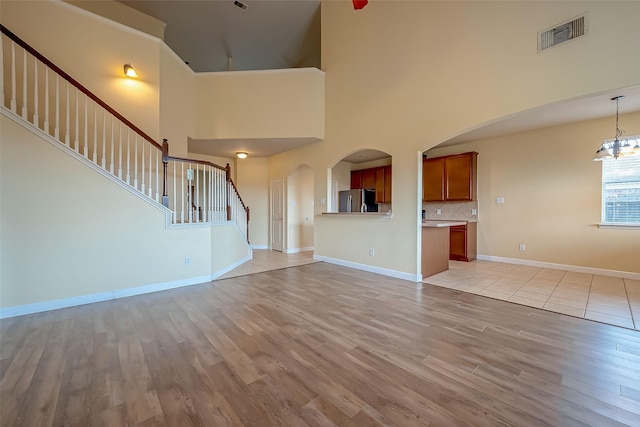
{"x":438,"y":211}
{"x":372,"y":252}
{"x":187,"y":261}
{"x":474,"y":211}
{"x":500,"y":200}
{"x":522,"y":247}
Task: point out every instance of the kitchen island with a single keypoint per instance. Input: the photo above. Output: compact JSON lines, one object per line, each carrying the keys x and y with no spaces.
{"x":435,"y":245}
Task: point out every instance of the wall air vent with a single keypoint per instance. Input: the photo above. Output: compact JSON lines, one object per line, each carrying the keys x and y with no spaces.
{"x":561,"y":33}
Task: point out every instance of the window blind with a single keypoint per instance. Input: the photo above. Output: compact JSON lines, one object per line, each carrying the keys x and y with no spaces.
{"x":621,"y":191}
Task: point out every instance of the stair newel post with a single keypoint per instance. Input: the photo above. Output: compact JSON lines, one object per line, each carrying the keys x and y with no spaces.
{"x":228,"y":178}
{"x":165,"y":161}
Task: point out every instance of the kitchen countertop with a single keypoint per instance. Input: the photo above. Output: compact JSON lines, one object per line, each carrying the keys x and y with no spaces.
{"x":441,"y":223}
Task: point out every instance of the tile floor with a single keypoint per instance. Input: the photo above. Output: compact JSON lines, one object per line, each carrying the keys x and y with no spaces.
{"x":266,"y":259}
{"x":603,"y":299}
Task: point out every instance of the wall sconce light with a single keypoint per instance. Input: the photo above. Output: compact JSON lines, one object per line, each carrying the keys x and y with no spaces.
{"x":129,"y":71}
{"x":241,"y":155}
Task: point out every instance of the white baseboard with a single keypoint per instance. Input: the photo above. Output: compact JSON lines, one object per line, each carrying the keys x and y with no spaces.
{"x":111,"y":295}
{"x":298,"y":250}
{"x":370,"y":268}
{"x":230,"y":267}
{"x":39,"y":307}
{"x":259,"y":246}
{"x":573,"y":268}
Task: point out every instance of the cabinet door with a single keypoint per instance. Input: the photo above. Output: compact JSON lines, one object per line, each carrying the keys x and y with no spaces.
{"x":387,"y":184}
{"x":458,"y":243}
{"x":433,"y":179}
{"x":368,"y":178}
{"x":459,"y":177}
{"x":356,"y":180}
{"x":379,"y":184}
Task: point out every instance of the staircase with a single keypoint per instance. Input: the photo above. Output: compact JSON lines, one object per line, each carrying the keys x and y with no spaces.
{"x":70,"y":237}
{"x":196,"y":192}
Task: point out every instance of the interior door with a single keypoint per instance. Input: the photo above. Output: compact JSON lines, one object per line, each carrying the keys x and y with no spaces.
{"x":277,"y":210}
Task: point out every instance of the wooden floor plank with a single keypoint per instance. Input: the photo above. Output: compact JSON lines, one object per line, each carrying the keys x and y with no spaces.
{"x":316,"y":345}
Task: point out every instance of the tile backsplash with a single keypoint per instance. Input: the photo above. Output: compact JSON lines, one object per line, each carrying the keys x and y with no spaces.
{"x":451,"y":210}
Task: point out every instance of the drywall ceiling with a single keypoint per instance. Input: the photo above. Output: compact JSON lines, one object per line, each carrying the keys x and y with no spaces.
{"x":217,"y":35}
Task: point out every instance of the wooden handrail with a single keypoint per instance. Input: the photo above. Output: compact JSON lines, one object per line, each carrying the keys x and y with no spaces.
{"x":78,"y":86}
{"x":200,"y":162}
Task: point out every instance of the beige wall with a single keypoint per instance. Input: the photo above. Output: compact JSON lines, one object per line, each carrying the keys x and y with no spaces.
{"x":300,"y":209}
{"x":400,"y":81}
{"x":552,"y":193}
{"x":260,"y":104}
{"x":69,"y":231}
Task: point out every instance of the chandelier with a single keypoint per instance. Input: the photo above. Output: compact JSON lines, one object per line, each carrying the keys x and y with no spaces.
{"x":618,"y":147}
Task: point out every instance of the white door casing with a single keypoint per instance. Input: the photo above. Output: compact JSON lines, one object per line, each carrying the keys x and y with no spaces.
{"x":277,"y":213}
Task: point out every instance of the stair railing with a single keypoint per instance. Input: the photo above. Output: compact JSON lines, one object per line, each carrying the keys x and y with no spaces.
{"x":42,"y":94}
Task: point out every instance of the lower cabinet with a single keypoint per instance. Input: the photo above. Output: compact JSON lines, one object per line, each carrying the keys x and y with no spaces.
{"x":463,"y":241}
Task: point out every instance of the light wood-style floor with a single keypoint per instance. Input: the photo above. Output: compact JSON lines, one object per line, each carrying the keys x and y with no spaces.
{"x":317,"y":345}
{"x":604,"y":299}
{"x":266,"y":260}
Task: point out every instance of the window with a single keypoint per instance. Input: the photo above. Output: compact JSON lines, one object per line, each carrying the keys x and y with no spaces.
{"x":621,"y":191}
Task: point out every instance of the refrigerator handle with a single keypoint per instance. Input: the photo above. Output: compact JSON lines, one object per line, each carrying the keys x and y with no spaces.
{"x":349,"y":200}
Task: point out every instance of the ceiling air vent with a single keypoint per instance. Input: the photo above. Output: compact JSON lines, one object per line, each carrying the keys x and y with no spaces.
{"x":561,"y":33}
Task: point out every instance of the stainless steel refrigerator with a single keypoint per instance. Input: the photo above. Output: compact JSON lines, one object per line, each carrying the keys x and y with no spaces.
{"x":357,"y":201}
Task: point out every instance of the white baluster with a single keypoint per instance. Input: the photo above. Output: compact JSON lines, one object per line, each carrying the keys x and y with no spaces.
{"x":119,"y":150}
{"x":151,"y":150}
{"x":95,"y":134}
{"x":46,"y":101}
{"x":1,"y":72}
{"x":104,"y":139}
{"x":128,"y":158}
{"x":175,"y":195}
{"x":76,"y":142}
{"x":135,"y":161}
{"x":157,"y":176}
{"x":36,"y":115}
{"x":142,"y":187}
{"x":86,"y":128}
{"x":13,"y":77}
{"x":182,"y":193}
{"x":197,"y":213}
{"x":67,"y":118}
{"x":112,"y":148}
{"x":56,"y":131}
{"x":24,"y":85}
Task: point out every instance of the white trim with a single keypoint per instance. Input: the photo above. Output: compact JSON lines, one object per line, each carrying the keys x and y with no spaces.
{"x":259,"y":246}
{"x":370,"y":268}
{"x":232,"y":266}
{"x":619,"y":226}
{"x":298,"y":250}
{"x":304,"y":70}
{"x":573,"y":268}
{"x":39,"y":307}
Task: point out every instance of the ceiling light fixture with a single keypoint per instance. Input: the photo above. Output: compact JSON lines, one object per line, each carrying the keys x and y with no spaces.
{"x":618,"y":147}
{"x":241,"y":155}
{"x":129,"y":71}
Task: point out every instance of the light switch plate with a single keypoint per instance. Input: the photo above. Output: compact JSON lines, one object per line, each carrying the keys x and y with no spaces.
{"x":500,"y":200}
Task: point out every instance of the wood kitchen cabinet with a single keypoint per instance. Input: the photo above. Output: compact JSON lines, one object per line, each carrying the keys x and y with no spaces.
{"x":383,"y":184}
{"x":450,"y":178}
{"x":463,"y":241}
{"x":378,"y":178}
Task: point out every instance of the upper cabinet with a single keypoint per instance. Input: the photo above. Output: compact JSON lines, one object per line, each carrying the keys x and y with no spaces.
{"x":378,"y":178}
{"x":450,"y":178}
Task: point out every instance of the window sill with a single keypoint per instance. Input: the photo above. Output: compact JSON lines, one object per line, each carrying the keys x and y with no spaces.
{"x":620,"y":226}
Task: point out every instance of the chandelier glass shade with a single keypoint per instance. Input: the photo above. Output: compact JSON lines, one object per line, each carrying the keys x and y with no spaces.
{"x":618,"y":146}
